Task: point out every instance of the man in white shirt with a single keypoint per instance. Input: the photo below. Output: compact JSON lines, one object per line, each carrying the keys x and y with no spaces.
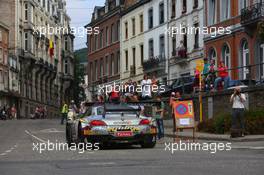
{"x":146,"y":85}
{"x":238,"y":108}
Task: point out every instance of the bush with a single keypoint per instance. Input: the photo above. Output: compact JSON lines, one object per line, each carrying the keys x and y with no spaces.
{"x":254,"y":123}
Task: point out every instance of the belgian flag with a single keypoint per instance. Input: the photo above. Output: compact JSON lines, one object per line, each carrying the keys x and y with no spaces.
{"x":51,"y":49}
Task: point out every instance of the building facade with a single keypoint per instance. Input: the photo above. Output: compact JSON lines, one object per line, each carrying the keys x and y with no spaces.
{"x":185,"y":47}
{"x":244,"y":47}
{"x":104,"y":46}
{"x":4,"y":68}
{"x":155,"y":39}
{"x":41,"y":59}
{"x":132,"y":40}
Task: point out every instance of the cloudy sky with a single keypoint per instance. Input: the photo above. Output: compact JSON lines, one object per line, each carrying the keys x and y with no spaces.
{"x":80,"y":12}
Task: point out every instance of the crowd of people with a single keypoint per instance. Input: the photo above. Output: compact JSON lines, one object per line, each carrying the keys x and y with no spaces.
{"x":213,"y":78}
{"x":40,"y":112}
{"x":7,"y":112}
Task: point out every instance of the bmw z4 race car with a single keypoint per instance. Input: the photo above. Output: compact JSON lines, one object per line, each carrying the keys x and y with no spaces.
{"x":112,"y":123}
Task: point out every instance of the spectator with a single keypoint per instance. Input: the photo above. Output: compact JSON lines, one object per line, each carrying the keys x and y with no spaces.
{"x":209,"y":82}
{"x":64,"y":112}
{"x":237,"y":99}
{"x":159,"y":117}
{"x":114,"y":95}
{"x":146,"y":88}
{"x":73,"y":107}
{"x":223,"y":76}
{"x":14,"y":112}
{"x":196,"y":81}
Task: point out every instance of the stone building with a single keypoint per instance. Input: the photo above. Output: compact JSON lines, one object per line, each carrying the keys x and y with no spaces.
{"x":244,"y":47}
{"x":42,"y":57}
{"x":104,"y":46}
{"x":185,"y":47}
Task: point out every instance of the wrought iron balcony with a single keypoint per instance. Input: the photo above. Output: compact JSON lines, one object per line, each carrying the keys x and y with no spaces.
{"x":252,"y":14}
{"x":154,"y":64}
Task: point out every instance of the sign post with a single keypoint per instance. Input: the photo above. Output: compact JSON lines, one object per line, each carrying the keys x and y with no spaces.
{"x":200,"y":67}
{"x":184,"y":115}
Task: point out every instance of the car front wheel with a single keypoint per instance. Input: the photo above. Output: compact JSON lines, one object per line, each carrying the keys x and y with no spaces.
{"x":149,"y":142}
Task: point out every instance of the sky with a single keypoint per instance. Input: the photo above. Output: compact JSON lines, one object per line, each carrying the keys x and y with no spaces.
{"x":80,"y":12}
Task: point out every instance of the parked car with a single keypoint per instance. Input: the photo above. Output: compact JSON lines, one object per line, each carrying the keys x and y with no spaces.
{"x":112,"y":123}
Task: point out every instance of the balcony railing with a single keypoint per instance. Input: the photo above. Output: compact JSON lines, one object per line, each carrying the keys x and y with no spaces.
{"x":252,"y":14}
{"x":179,"y":55}
{"x":154,"y":64}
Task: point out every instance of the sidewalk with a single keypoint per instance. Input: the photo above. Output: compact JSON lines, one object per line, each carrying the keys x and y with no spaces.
{"x":168,"y":126}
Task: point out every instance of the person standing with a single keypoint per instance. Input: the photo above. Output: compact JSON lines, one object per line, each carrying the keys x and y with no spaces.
{"x":146,"y":85}
{"x":159,"y":117}
{"x":14,"y":112}
{"x":64,"y":112}
{"x":238,"y":108}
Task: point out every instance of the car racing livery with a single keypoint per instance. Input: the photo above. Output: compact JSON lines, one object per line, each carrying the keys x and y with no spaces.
{"x":113,"y":123}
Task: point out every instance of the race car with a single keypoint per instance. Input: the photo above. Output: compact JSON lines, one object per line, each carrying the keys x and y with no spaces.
{"x":107,"y":124}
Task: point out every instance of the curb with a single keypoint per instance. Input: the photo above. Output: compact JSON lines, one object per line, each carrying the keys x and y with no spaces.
{"x":240,"y":139}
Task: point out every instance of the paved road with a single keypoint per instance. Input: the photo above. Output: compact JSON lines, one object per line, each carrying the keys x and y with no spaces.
{"x":18,"y":157}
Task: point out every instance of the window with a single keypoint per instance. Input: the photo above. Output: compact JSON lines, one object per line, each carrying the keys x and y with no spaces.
{"x":142,"y":53}
{"x":174,"y":46}
{"x":225,"y":9}
{"x":26,"y":41}
{"x":141,"y":23}
{"x":66,"y":66}
{"x":117,"y":62}
{"x":66,"y":43}
{"x":173,"y":9}
{"x":1,"y":55}
{"x":134,"y":56}
{"x":184,"y":6}
{"x":161,"y":13}
{"x":106,"y":36}
{"x":226,"y":56}
{"x":101,"y":39}
{"x":95,"y":70}
{"x":101,"y":67}
{"x":195,"y":4}
{"x":211,"y":12}
{"x":112,"y":33}
{"x":133,"y":27}
{"x":242,"y":4}
{"x":261,"y":61}
{"x":196,"y":36}
{"x":151,"y":51}
{"x":245,"y":60}
{"x":126,"y":30}
{"x":212,"y":54}
{"x":106,"y":66}
{"x":112,"y":64}
{"x":150,"y":18}
{"x":118,"y":30}
{"x":26,"y":11}
{"x":96,"y":42}
{"x":1,"y":37}
{"x":126,"y":55}
{"x":162,"y":46}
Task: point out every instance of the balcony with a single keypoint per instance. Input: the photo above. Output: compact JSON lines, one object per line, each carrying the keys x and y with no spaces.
{"x":252,"y":14}
{"x":179,"y":56}
{"x":154,"y":64}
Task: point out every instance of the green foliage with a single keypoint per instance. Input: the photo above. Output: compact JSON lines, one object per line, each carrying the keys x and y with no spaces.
{"x":254,"y":123}
{"x":79,"y":72}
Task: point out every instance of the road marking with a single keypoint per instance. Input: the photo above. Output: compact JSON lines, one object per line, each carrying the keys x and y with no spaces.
{"x":248,"y":147}
{"x":3,"y":154}
{"x":50,"y":130}
{"x":8,"y":151}
{"x":39,"y":139}
{"x":102,"y":163}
